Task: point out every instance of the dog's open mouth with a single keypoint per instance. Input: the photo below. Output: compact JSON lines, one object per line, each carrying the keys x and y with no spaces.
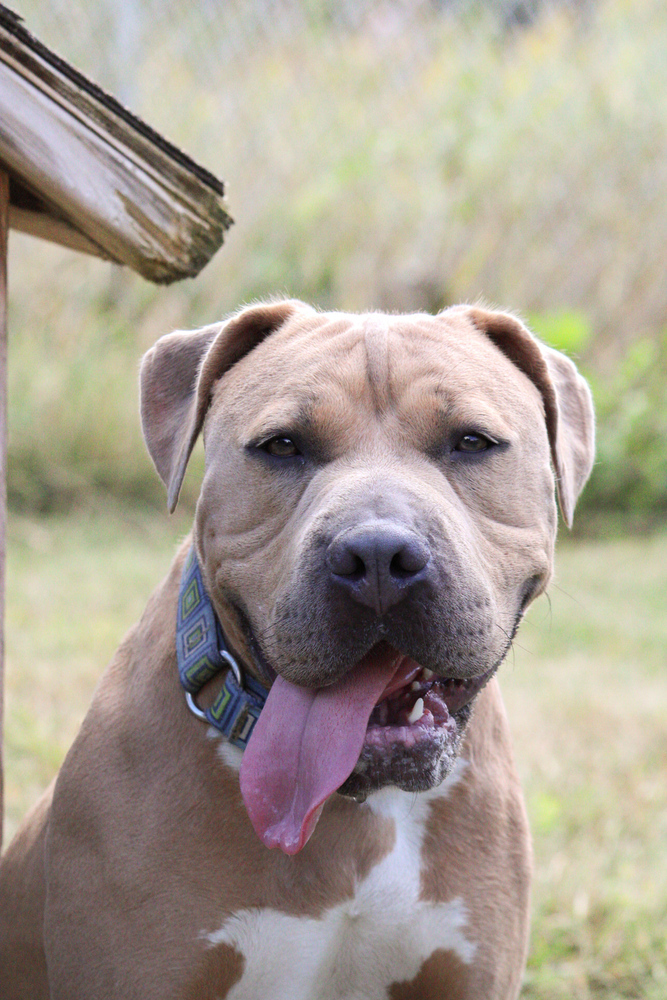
{"x":387,"y":722}
{"x":414,"y":731}
{"x":416,"y":699}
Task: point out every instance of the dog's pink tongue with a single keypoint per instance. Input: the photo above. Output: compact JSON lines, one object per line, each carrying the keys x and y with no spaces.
{"x":303,"y":747}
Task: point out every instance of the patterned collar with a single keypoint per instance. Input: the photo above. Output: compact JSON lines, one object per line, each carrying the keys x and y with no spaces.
{"x":202,"y":653}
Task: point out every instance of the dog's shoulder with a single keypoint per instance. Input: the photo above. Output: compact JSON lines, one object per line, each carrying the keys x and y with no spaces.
{"x":22,"y":896}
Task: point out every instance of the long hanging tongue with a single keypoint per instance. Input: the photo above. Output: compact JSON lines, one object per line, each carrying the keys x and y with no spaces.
{"x":303,"y":747}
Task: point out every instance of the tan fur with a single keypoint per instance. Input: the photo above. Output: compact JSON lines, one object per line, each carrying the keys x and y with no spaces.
{"x":146,"y":844}
{"x":440,"y":967}
{"x":485,"y":817}
{"x":22,"y":893}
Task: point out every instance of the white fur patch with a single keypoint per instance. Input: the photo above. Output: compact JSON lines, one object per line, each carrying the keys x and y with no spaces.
{"x":356,"y":949}
{"x":228,"y":754}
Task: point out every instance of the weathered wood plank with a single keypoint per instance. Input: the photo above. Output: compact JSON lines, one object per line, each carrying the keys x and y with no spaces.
{"x":4,"y":228}
{"x":48,"y":227}
{"x":103,"y":177}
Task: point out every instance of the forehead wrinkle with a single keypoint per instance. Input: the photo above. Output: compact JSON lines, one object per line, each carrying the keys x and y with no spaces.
{"x":376,"y":344}
{"x":450,"y":387}
{"x":285,"y":416}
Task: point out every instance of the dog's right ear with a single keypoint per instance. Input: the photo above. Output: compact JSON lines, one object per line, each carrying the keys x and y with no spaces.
{"x":178,"y":375}
{"x":568,"y":405}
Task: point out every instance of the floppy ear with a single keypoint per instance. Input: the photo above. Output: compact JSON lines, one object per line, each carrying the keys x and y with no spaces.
{"x":178,"y":375}
{"x":568,"y":406}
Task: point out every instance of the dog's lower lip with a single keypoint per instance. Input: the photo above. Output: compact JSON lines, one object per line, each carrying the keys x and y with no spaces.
{"x":382,"y":736}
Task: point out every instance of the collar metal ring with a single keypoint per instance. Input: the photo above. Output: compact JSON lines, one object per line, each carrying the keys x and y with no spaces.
{"x":194,"y":707}
{"x":234,"y":667}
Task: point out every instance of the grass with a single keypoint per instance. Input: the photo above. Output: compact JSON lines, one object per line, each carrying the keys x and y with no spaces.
{"x":74,"y":587}
{"x":586,"y":690}
{"x":587,"y":698}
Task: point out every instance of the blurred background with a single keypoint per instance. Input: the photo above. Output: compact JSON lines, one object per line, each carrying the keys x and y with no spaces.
{"x":400,"y":155}
{"x":392,"y":154}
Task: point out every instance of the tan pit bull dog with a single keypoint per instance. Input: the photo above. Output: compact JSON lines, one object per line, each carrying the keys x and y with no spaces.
{"x":377,"y":513}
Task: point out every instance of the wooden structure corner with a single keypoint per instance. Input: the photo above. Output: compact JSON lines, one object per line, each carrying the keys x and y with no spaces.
{"x":79,"y":169}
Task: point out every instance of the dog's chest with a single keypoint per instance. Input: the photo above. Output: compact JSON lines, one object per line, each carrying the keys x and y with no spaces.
{"x":357,"y":948}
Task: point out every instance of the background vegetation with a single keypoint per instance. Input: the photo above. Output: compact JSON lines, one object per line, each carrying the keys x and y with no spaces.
{"x":378,"y":155}
{"x":394,"y":154}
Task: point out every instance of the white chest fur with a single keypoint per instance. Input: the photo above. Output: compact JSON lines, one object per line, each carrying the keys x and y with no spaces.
{"x":356,"y":949}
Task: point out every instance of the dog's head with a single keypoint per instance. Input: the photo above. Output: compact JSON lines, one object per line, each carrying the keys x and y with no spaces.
{"x":378,"y":510}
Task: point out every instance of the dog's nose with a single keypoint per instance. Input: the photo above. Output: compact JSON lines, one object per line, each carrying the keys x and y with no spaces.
{"x":377,"y":563}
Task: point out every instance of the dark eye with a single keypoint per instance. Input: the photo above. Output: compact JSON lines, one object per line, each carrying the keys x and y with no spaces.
{"x":281,"y":447}
{"x":473,"y":443}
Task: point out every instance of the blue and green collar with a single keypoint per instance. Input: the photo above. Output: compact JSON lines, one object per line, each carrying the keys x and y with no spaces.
{"x":202,"y":653}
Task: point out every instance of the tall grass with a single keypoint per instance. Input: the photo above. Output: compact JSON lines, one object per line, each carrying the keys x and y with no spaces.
{"x":408,"y":158}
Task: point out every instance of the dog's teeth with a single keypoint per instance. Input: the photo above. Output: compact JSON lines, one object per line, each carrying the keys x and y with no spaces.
{"x":415,"y":686}
{"x":417,"y":711}
{"x":427,"y":674}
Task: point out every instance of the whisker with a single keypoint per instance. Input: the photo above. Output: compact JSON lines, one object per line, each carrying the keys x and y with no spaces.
{"x":513,"y":642}
{"x":567,"y":594}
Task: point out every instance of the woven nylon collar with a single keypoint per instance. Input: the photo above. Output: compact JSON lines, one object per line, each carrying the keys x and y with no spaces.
{"x":202,"y":653}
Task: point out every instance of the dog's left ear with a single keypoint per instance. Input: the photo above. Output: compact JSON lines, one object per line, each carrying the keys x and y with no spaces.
{"x":178,"y":375}
{"x":568,"y":406}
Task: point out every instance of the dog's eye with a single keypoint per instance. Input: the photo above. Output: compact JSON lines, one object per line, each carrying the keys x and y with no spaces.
{"x":281,"y":447}
{"x":473,"y":443}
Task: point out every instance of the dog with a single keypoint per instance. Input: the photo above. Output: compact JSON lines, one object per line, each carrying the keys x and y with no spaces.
{"x":295,"y":781}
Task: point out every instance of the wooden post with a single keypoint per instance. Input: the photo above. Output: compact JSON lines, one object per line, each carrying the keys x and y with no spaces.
{"x":4,"y":228}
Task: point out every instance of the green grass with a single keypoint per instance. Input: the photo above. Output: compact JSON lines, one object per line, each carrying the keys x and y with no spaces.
{"x":74,"y":586}
{"x":586,"y":690}
{"x":587,"y":698}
